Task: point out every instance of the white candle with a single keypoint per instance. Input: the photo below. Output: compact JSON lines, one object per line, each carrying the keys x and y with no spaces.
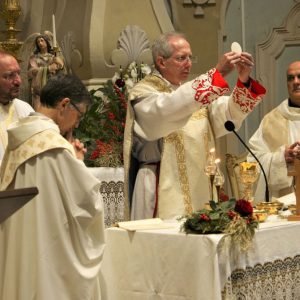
{"x":54,"y":31}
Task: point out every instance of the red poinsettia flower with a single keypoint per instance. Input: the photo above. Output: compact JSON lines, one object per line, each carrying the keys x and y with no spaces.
{"x":243,"y":207}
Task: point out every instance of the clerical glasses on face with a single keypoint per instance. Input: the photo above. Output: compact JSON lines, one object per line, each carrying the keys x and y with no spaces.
{"x":81,"y":114}
{"x":182,"y":58}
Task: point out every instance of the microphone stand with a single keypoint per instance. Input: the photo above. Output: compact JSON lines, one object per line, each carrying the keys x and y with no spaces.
{"x":267,"y":197}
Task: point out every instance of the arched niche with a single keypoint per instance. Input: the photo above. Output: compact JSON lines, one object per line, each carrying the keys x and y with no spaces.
{"x":272,"y":57}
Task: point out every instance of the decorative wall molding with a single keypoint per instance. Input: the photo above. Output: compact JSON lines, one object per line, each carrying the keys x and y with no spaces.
{"x":133,"y":45}
{"x":199,"y":12}
{"x":162,"y":16}
{"x":73,"y":57}
{"x":269,"y":52}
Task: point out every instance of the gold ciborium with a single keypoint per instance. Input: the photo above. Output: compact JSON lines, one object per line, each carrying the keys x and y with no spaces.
{"x":248,"y":175}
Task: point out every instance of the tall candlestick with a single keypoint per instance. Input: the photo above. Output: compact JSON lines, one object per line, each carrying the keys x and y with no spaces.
{"x":10,"y":4}
{"x":210,"y":169}
{"x":54,"y":31}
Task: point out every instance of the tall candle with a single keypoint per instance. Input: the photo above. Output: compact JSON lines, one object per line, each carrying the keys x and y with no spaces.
{"x":54,"y":31}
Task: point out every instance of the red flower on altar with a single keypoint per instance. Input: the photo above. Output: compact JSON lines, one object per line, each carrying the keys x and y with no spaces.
{"x":204,"y":217}
{"x":232,"y":217}
{"x":243,"y":207}
{"x":231,"y":214}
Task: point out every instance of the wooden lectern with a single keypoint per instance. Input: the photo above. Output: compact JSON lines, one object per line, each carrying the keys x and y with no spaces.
{"x":12,"y":200}
{"x":296,"y":173}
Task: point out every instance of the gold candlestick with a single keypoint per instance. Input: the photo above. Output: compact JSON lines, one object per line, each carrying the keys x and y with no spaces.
{"x":10,"y":11}
{"x":210,"y":170}
{"x":219,"y":178}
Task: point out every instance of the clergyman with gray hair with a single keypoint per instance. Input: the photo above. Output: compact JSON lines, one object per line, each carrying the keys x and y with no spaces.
{"x":172,"y":123}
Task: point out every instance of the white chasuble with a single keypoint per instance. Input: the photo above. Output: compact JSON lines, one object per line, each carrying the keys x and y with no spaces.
{"x":10,"y":113}
{"x":183,"y":185}
{"x":187,"y":118}
{"x":52,"y":247}
{"x":278,"y":129}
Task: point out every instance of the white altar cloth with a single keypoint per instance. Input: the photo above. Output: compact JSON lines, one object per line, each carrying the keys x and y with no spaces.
{"x":167,"y":264}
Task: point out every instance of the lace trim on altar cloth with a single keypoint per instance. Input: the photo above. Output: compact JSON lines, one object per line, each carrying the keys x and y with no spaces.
{"x":206,"y":91}
{"x":113,"y":199}
{"x":277,"y":280}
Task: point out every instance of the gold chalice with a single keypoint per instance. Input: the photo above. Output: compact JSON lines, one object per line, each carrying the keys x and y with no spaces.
{"x":249,"y":173}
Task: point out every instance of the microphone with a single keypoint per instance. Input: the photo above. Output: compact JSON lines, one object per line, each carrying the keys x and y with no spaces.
{"x":231,"y":127}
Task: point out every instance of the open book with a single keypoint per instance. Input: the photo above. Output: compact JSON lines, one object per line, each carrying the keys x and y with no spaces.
{"x":145,"y":224}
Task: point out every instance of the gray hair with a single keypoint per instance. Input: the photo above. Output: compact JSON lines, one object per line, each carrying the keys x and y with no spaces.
{"x":162,"y":47}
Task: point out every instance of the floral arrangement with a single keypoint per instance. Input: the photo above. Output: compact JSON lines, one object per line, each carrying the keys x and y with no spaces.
{"x":131,"y":75}
{"x":233,"y":217}
{"x":102,"y":127}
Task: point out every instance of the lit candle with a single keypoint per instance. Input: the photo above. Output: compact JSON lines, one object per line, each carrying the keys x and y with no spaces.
{"x":54,"y":31}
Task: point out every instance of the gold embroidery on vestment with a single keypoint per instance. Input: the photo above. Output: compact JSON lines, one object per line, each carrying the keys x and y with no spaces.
{"x":158,"y":83}
{"x":199,"y":114}
{"x":177,"y":140}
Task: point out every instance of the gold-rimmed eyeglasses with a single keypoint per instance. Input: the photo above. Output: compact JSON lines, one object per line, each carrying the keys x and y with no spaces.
{"x":81,"y":114}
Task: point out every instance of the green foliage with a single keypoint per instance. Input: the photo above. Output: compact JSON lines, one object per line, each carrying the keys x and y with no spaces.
{"x":232,"y":217}
{"x":102,"y":128}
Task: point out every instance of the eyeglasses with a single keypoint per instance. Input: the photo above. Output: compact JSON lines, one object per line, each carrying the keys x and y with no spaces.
{"x":290,"y":77}
{"x":81,"y":114}
{"x":182,"y":59}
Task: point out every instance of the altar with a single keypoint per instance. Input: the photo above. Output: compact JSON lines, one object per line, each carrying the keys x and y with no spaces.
{"x":168,"y":264}
{"x":112,"y":191}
